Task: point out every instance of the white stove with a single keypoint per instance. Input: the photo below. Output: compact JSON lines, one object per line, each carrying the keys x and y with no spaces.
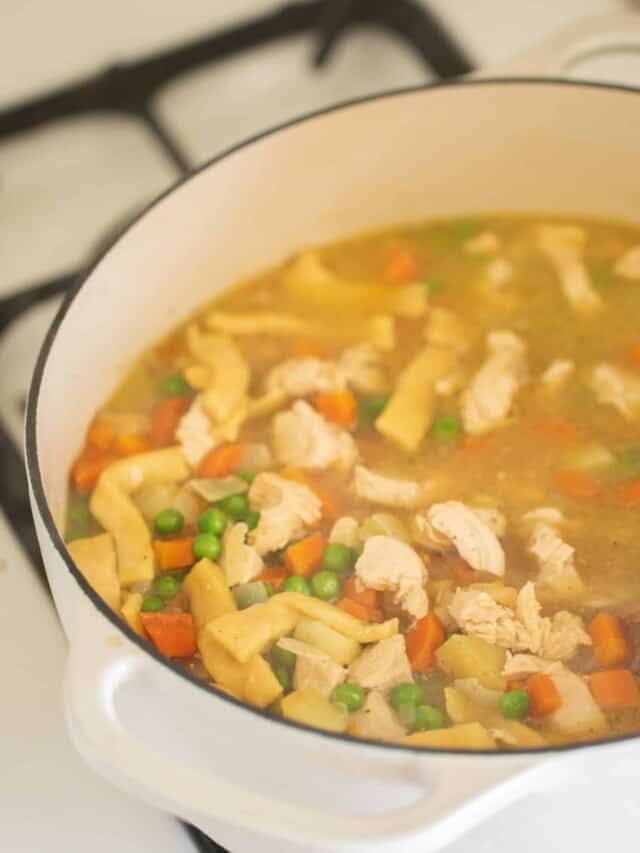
{"x":65,"y":186}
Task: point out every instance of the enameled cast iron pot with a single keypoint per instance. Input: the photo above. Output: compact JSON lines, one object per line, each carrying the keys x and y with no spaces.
{"x":251,"y":781}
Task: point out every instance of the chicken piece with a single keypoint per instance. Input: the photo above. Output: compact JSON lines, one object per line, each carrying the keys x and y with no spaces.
{"x":267,"y":323}
{"x":446,"y":330}
{"x":305,"y":375}
{"x":241,"y":562}
{"x":578,"y":715}
{"x":499,"y":272}
{"x":388,"y":491}
{"x":314,"y":669}
{"x":376,"y":720}
{"x":388,"y":564}
{"x":488,"y":400}
{"x":382,"y":332}
{"x":557,"y":374}
{"x":563,"y":246}
{"x":194,"y":434}
{"x":287,"y":510}
{"x":562,"y":635}
{"x":616,"y":387}
{"x":557,"y":573}
{"x":361,"y":367}
{"x":523,"y":665}
{"x":492,"y":518}
{"x":345,"y":531}
{"x":453,"y":525}
{"x":484,"y":243}
{"x":95,"y":557}
{"x":302,"y":437}
{"x":382,"y":665}
{"x":628,"y":265}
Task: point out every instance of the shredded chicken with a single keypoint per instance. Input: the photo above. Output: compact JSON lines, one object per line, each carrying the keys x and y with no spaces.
{"x":301,"y":436}
{"x":558,"y":373}
{"x":482,"y":244}
{"x":388,"y":564}
{"x":376,"y":720}
{"x":488,"y":400}
{"x":194,"y":434}
{"x":492,"y":518}
{"x":382,"y":665}
{"x":314,"y":669}
{"x":287,"y":510}
{"x":345,"y":531}
{"x":562,"y":636}
{"x":578,"y":715}
{"x":388,"y":491}
{"x":522,"y":666}
{"x":362,"y":369}
{"x":628,"y":266}
{"x":241,"y":562}
{"x":618,"y":388}
{"x":305,"y":375}
{"x":563,"y":246}
{"x":555,"y":557}
{"x":453,"y":525}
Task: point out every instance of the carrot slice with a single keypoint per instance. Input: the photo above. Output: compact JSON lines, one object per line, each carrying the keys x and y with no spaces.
{"x":339,"y":407}
{"x":401,"y":267}
{"x":616,"y":688}
{"x":354,"y":608}
{"x":609,"y":645}
{"x":88,"y":467}
{"x":369,"y":598}
{"x":423,"y":640}
{"x":576,"y":484}
{"x":100,"y":435}
{"x":173,"y":634}
{"x":221,"y":461}
{"x":544,"y":697}
{"x":174,"y":553}
{"x":305,"y":556}
{"x":558,"y":432}
{"x":275,"y":575}
{"x":165,"y":418}
{"x":297,"y":475}
{"x":629,"y":493}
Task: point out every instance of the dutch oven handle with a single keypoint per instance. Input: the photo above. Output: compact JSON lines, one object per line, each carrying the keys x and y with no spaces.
{"x":554,"y":55}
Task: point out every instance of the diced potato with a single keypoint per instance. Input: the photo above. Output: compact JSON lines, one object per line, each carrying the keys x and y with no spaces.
{"x":309,"y":707}
{"x":471,"y":657}
{"x":464,"y":736}
{"x":462,"y":709}
{"x":253,"y":681}
{"x":209,"y":595}
{"x":342,"y":649}
{"x":504,"y":595}
{"x":131,"y":612}
{"x":95,"y":557}
{"x":250,"y":632}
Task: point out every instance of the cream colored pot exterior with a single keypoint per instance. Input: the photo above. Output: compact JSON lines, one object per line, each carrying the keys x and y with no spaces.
{"x":249,"y":781}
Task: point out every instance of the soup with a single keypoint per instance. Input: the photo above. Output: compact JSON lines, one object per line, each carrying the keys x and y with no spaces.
{"x":392,"y":487}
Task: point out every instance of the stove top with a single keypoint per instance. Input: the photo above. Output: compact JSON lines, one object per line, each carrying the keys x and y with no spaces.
{"x":75,"y":164}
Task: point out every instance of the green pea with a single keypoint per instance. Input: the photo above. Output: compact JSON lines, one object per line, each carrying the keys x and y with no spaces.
{"x":406,"y":693}
{"x":446,"y":429}
{"x":235,"y":506}
{"x":283,"y":657}
{"x":348,"y":694}
{"x":514,"y":705}
{"x":371,"y":409}
{"x":213,"y":520}
{"x":174,"y":386}
{"x":206,"y":545}
{"x":253,"y":519}
{"x":166,"y":586}
{"x":337,"y":558}
{"x":284,"y":677}
{"x":435,"y":284}
{"x":296,"y":583}
{"x":168,"y":522}
{"x":151,"y":604}
{"x":325,"y":585}
{"x":247,"y":476}
{"x":428,"y":717}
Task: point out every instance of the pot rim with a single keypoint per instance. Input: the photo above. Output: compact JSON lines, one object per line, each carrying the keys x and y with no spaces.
{"x":32,"y":450}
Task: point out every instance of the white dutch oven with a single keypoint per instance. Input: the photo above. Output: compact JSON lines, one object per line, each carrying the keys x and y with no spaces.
{"x":250,"y":781}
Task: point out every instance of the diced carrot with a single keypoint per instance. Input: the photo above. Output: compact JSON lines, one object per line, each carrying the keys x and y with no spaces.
{"x":174,"y":553}
{"x":354,"y":608}
{"x":609,"y":644}
{"x":302,"y":347}
{"x":616,"y":688}
{"x":88,"y":467}
{"x":165,"y":418}
{"x":221,"y":461}
{"x":305,"y":556}
{"x":401,"y":267}
{"x":129,"y":445}
{"x":463,"y":574}
{"x":275,"y":575}
{"x":576,"y":484}
{"x":628,"y":493}
{"x":369,"y":598}
{"x":544,"y":697}
{"x":173,"y":634}
{"x":558,"y":432}
{"x":423,"y":640}
{"x":339,"y":407}
{"x":633,"y":355}
{"x":100,"y":435}
{"x":290,"y":472}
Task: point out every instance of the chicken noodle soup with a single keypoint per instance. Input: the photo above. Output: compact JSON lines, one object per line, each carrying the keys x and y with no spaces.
{"x":392,"y":487}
